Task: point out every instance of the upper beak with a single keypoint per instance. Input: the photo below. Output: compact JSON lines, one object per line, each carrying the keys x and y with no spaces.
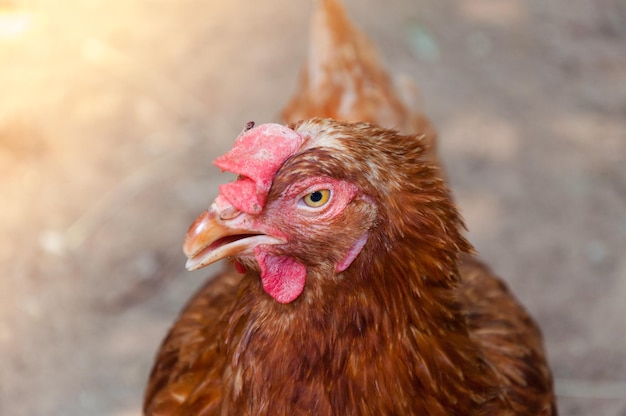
{"x":221,"y":232}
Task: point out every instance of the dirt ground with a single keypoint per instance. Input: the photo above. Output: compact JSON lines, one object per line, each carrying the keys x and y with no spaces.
{"x":111,"y":111}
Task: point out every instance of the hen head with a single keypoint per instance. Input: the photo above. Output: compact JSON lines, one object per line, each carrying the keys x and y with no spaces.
{"x":309,"y":198}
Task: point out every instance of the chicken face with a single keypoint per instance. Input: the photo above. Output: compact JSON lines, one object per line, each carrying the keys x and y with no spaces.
{"x":286,"y":224}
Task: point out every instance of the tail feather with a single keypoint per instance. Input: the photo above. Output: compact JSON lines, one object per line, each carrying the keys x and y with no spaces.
{"x":344,"y":79}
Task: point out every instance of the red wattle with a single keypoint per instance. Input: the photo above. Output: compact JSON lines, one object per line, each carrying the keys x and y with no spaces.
{"x":282,"y":277}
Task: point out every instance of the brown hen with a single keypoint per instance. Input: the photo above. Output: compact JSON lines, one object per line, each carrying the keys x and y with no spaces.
{"x":356,"y":291}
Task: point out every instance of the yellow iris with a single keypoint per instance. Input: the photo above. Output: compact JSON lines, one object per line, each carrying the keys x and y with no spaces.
{"x":317,"y":198}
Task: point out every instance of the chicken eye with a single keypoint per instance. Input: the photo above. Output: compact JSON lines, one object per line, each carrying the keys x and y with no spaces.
{"x":317,"y":199}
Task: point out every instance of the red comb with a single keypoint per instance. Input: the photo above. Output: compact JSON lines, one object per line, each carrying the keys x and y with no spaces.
{"x":256,"y":156}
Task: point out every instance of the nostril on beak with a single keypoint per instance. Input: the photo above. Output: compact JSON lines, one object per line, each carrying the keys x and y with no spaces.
{"x":224,"y":210}
{"x":229,"y":213}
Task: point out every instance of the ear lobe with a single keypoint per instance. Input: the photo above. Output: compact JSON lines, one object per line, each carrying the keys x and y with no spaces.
{"x":352,"y":253}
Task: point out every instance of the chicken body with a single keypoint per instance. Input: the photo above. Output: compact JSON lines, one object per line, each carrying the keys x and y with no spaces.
{"x":412,"y":325}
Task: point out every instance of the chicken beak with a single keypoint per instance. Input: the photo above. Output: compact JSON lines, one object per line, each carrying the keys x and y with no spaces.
{"x":221,"y":232}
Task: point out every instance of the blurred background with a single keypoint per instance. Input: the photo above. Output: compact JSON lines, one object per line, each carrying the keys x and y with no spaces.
{"x":112,"y":110}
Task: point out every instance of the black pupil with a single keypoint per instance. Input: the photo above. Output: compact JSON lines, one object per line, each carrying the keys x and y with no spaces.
{"x":316,"y":196}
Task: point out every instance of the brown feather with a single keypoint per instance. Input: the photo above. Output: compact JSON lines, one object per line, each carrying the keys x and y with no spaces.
{"x":344,"y":79}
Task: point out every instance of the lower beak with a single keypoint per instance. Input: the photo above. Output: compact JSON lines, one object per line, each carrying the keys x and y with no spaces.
{"x":211,"y":238}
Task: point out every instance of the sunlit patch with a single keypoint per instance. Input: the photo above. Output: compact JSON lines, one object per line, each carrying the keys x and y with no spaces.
{"x":14,"y":23}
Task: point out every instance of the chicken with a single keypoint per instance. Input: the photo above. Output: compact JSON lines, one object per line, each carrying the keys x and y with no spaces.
{"x":358,"y":293}
{"x":355,"y":290}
